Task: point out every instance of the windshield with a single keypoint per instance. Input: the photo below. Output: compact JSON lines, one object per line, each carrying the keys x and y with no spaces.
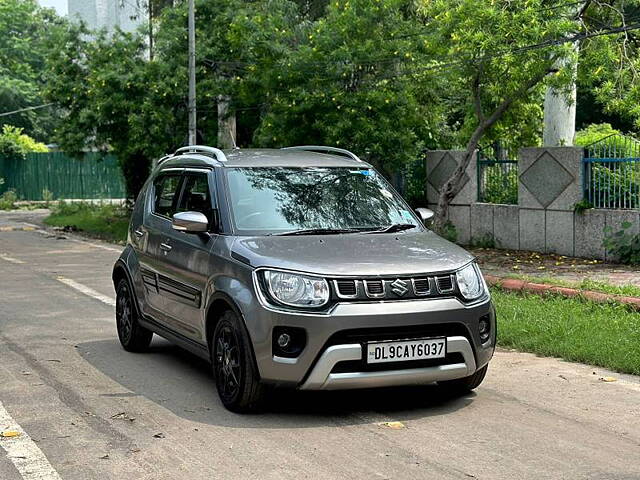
{"x":281,"y":200}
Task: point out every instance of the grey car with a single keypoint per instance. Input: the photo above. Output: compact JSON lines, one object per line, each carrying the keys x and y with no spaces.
{"x":298,"y":267}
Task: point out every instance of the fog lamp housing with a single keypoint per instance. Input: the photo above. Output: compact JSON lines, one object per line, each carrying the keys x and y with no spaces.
{"x":288,"y":342}
{"x":484,"y":328}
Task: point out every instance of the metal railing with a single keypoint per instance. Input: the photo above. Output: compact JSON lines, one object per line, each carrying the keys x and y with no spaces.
{"x":612,"y":172}
{"x":497,"y":175}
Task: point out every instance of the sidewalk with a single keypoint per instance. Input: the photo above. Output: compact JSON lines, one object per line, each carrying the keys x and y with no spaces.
{"x":560,"y":269}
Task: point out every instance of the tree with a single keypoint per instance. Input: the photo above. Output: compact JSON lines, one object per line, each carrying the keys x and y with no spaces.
{"x":14,"y":142}
{"x":503,"y":53}
{"x":25,"y":32}
{"x":108,"y":95}
{"x":341,"y":86}
{"x":114,"y":99}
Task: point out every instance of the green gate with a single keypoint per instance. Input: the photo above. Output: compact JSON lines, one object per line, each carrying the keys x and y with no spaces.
{"x":94,"y":176}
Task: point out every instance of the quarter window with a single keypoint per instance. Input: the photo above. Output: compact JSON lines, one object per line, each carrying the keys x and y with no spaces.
{"x":166,"y":190}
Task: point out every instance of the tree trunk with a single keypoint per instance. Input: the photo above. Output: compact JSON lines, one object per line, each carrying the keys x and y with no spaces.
{"x":454,"y":184}
{"x":560,"y":112}
{"x":226,"y":123}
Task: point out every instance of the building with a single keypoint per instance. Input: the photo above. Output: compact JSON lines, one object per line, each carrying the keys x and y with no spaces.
{"x":109,"y":14}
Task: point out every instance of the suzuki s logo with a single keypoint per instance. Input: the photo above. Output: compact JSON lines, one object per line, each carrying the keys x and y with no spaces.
{"x":399,"y":287}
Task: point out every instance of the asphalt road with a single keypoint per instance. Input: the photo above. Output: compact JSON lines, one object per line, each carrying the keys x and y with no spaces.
{"x":89,"y":410}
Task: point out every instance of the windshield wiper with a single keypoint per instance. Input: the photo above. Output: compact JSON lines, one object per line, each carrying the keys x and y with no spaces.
{"x":320,"y":231}
{"x":396,"y":227}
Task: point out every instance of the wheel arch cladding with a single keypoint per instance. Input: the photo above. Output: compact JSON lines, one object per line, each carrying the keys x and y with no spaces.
{"x":219,"y":304}
{"x":119,"y":272}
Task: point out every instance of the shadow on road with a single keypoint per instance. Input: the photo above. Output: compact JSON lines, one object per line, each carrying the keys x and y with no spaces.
{"x":182,"y":383}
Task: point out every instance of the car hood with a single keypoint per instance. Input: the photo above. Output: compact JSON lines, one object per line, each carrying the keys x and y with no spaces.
{"x":405,"y":253}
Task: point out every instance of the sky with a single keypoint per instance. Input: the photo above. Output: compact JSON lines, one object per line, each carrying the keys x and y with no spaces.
{"x":59,"y":5}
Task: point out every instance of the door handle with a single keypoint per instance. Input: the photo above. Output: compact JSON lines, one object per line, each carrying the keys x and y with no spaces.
{"x":165,"y":247}
{"x":138,"y":233}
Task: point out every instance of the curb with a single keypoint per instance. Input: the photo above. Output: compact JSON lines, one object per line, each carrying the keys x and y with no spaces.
{"x":516,"y":285}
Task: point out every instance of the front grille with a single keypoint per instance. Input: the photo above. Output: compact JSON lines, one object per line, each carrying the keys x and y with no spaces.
{"x":346,"y":288}
{"x":393,"y":288}
{"x":364,"y":335}
{"x":445,"y":284}
{"x":421,"y":286}
{"x":374,"y":288}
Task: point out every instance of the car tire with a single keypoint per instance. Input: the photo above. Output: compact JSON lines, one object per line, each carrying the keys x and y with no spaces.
{"x":465,"y":384}
{"x":234,"y":370}
{"x":133,"y":337}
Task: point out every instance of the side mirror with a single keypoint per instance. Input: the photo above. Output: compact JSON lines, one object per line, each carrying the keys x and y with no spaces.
{"x":190,"y":222}
{"x":425,"y":214}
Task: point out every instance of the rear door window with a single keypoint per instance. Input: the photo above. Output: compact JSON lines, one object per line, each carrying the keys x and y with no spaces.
{"x":166,"y":188}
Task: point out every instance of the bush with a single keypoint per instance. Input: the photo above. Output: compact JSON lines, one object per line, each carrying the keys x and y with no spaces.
{"x":47,"y":196}
{"x":594,"y":133}
{"x":623,"y":245}
{"x":8,"y":200}
{"x":104,"y":221}
{"x":615,"y":185}
{"x":500,"y":184}
{"x":14,"y":142}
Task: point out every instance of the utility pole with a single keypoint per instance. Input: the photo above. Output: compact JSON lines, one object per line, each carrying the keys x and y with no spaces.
{"x":150,"y":6}
{"x":192,"y":73}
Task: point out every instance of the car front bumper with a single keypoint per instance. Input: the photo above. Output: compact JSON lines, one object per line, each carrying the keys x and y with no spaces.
{"x":322,"y":378}
{"x":326,"y":347}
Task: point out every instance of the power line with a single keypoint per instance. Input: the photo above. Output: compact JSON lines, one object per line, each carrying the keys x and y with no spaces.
{"x":514,"y":51}
{"x":5,"y":114}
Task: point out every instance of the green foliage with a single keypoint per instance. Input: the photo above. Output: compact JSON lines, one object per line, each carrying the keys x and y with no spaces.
{"x":484,"y":241}
{"x":14,"y":142}
{"x":594,"y":133}
{"x":104,"y":221}
{"x":621,"y":244}
{"x":483,"y":47}
{"x":582,"y":206}
{"x":8,"y":200}
{"x":576,"y":330}
{"x":385,"y":78}
{"x":340,"y":87}
{"x":615,"y":185}
{"x":47,"y":196}
{"x":449,"y":232}
{"x":604,"y":139}
{"x":27,"y":32}
{"x":499,"y":183}
{"x":609,"y":64}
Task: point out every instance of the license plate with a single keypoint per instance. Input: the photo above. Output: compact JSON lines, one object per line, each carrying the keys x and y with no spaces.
{"x":400,"y":351}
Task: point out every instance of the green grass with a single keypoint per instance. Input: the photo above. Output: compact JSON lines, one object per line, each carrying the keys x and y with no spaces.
{"x":606,"y":335}
{"x":585,"y":284}
{"x":106,"y":222}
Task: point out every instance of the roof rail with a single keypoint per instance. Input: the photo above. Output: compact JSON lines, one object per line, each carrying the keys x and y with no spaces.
{"x":204,"y":150}
{"x":318,"y":148}
{"x":163,"y":159}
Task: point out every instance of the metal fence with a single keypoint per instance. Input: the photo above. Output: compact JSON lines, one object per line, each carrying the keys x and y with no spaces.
{"x":612,"y":172}
{"x":93,"y":176}
{"x":497,"y":175}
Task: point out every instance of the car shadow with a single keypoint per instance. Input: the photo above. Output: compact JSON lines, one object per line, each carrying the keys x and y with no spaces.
{"x":182,"y":383}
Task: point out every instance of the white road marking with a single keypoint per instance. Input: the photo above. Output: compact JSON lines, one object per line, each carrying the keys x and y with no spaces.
{"x":87,"y":291}
{"x":24,"y":453}
{"x":11,"y":259}
{"x":96,"y":245}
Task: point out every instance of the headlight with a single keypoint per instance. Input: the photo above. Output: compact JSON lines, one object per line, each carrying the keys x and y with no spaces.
{"x":470,"y":284}
{"x":297,"y":290}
